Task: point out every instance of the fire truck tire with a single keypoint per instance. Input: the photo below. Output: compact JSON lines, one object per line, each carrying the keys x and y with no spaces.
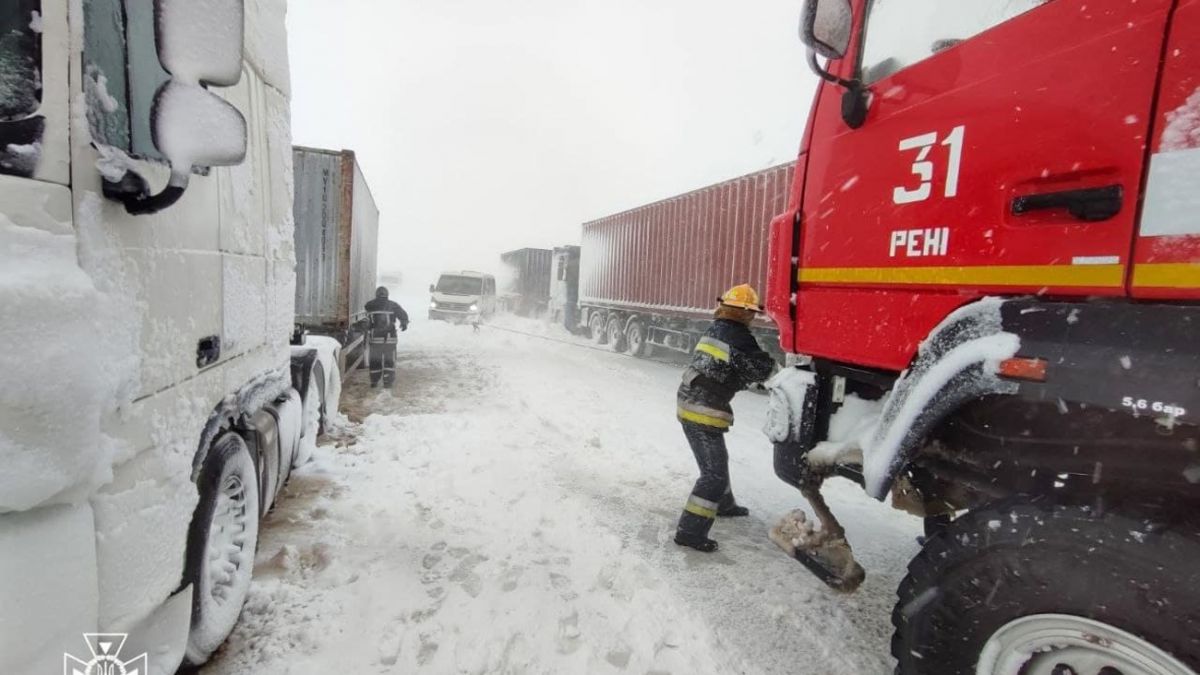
{"x":1021,"y":578}
{"x":597,"y":328}
{"x":616,"y":334}
{"x":221,"y":544}
{"x":637,"y":339}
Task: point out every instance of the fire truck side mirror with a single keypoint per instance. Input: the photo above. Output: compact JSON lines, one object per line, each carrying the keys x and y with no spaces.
{"x":825,"y":27}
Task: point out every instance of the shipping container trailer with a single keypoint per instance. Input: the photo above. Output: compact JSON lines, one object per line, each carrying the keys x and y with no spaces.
{"x":526,"y":290}
{"x":651,"y":276}
{"x":337,"y":230}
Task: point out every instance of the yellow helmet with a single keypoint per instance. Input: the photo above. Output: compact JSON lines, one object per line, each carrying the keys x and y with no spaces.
{"x":743,"y":296}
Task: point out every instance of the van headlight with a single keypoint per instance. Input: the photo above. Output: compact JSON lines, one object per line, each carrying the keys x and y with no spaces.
{"x":474,"y":308}
{"x":432,"y":304}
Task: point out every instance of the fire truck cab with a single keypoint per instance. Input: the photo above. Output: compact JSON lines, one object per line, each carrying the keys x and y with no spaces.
{"x":988,"y":282}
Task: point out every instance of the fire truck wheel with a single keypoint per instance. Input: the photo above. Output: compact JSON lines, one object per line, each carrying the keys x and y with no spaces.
{"x":222,"y":540}
{"x":637,"y":339}
{"x":597,"y":328}
{"x":616,"y":334}
{"x":1033,"y":588}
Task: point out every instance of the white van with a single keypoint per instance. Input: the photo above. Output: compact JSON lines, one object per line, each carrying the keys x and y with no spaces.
{"x":462,"y":297}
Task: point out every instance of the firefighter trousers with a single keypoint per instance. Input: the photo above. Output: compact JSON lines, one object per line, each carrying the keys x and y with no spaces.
{"x":381,"y":357}
{"x":712,"y":492}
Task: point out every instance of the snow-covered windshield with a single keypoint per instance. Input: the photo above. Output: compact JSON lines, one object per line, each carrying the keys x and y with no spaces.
{"x":903,"y":32}
{"x":452,"y":285}
{"x":20,"y":58}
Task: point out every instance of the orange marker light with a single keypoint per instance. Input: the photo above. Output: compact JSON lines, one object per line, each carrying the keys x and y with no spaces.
{"x":1024,"y":369}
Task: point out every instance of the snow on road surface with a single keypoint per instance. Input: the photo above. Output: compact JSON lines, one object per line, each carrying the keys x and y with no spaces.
{"x":509,"y":509}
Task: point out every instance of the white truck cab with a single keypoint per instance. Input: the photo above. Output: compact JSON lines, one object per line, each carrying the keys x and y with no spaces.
{"x":462,"y":296}
{"x":149,"y":410}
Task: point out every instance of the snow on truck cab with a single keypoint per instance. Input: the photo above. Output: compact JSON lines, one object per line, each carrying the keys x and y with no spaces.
{"x":151,"y":406}
{"x":988,"y":282}
{"x":463,"y":296}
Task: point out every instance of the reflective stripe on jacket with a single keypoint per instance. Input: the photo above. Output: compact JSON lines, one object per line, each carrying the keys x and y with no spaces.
{"x":725,"y":361}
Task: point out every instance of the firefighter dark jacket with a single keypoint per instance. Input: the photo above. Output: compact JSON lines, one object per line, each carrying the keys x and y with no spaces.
{"x":397,"y":314}
{"x":726,"y":360}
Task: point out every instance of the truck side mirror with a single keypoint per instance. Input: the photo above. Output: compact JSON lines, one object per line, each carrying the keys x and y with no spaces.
{"x":199,"y":44}
{"x":825,"y":27}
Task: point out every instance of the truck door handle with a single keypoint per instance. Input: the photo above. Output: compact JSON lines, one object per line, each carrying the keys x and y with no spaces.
{"x":1088,"y":204}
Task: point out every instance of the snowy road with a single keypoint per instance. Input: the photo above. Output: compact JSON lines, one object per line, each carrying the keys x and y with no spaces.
{"x":509,"y":509}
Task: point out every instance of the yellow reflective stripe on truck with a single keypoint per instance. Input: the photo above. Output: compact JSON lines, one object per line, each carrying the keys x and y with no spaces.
{"x":1167,"y":275}
{"x":979,"y":275}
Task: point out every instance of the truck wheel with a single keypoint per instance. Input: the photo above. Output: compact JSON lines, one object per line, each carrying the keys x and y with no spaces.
{"x":1038,"y":589}
{"x":597,"y":328}
{"x":636,"y":338}
{"x":222,"y":540}
{"x":616,"y":334}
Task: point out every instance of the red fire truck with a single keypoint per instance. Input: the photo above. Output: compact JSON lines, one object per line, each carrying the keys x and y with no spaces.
{"x":988,"y":283}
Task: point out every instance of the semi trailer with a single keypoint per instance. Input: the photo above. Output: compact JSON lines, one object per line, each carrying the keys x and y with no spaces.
{"x":525,"y":289}
{"x":987,"y":282}
{"x":336,"y":234}
{"x":650,"y":276}
{"x":152,"y":406}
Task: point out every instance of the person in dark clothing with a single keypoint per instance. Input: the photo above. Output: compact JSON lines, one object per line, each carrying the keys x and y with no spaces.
{"x":382,"y":317}
{"x":726,"y":360}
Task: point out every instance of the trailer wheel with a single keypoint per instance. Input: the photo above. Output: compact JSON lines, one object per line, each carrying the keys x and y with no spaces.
{"x":637,"y":339}
{"x":222,"y":540}
{"x":1022,"y":587}
{"x":597,"y":328}
{"x":616,"y":334}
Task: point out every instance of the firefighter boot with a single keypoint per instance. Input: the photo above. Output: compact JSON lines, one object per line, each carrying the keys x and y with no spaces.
{"x":694,"y":524}
{"x":729,"y":508}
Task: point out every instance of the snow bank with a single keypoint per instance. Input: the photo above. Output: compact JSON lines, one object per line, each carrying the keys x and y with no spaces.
{"x":70,"y":359}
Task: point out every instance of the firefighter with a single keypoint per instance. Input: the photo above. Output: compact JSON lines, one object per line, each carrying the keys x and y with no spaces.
{"x":382,"y":316}
{"x":726,"y":360}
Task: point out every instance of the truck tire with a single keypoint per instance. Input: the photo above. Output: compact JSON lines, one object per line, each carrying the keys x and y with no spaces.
{"x":597,"y":328}
{"x":222,"y":540}
{"x":616,"y":334}
{"x":637,"y":339}
{"x":1022,"y":586}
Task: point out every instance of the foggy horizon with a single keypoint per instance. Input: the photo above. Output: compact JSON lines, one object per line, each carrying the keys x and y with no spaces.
{"x":483,"y":128}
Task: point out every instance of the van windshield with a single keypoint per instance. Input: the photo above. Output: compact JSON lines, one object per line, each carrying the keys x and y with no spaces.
{"x":20,"y":58}
{"x":452,"y":285}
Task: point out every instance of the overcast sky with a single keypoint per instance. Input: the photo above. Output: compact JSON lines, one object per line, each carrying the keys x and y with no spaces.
{"x":488,"y":125}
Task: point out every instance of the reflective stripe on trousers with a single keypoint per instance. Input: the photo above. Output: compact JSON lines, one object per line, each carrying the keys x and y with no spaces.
{"x":701,"y":506}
